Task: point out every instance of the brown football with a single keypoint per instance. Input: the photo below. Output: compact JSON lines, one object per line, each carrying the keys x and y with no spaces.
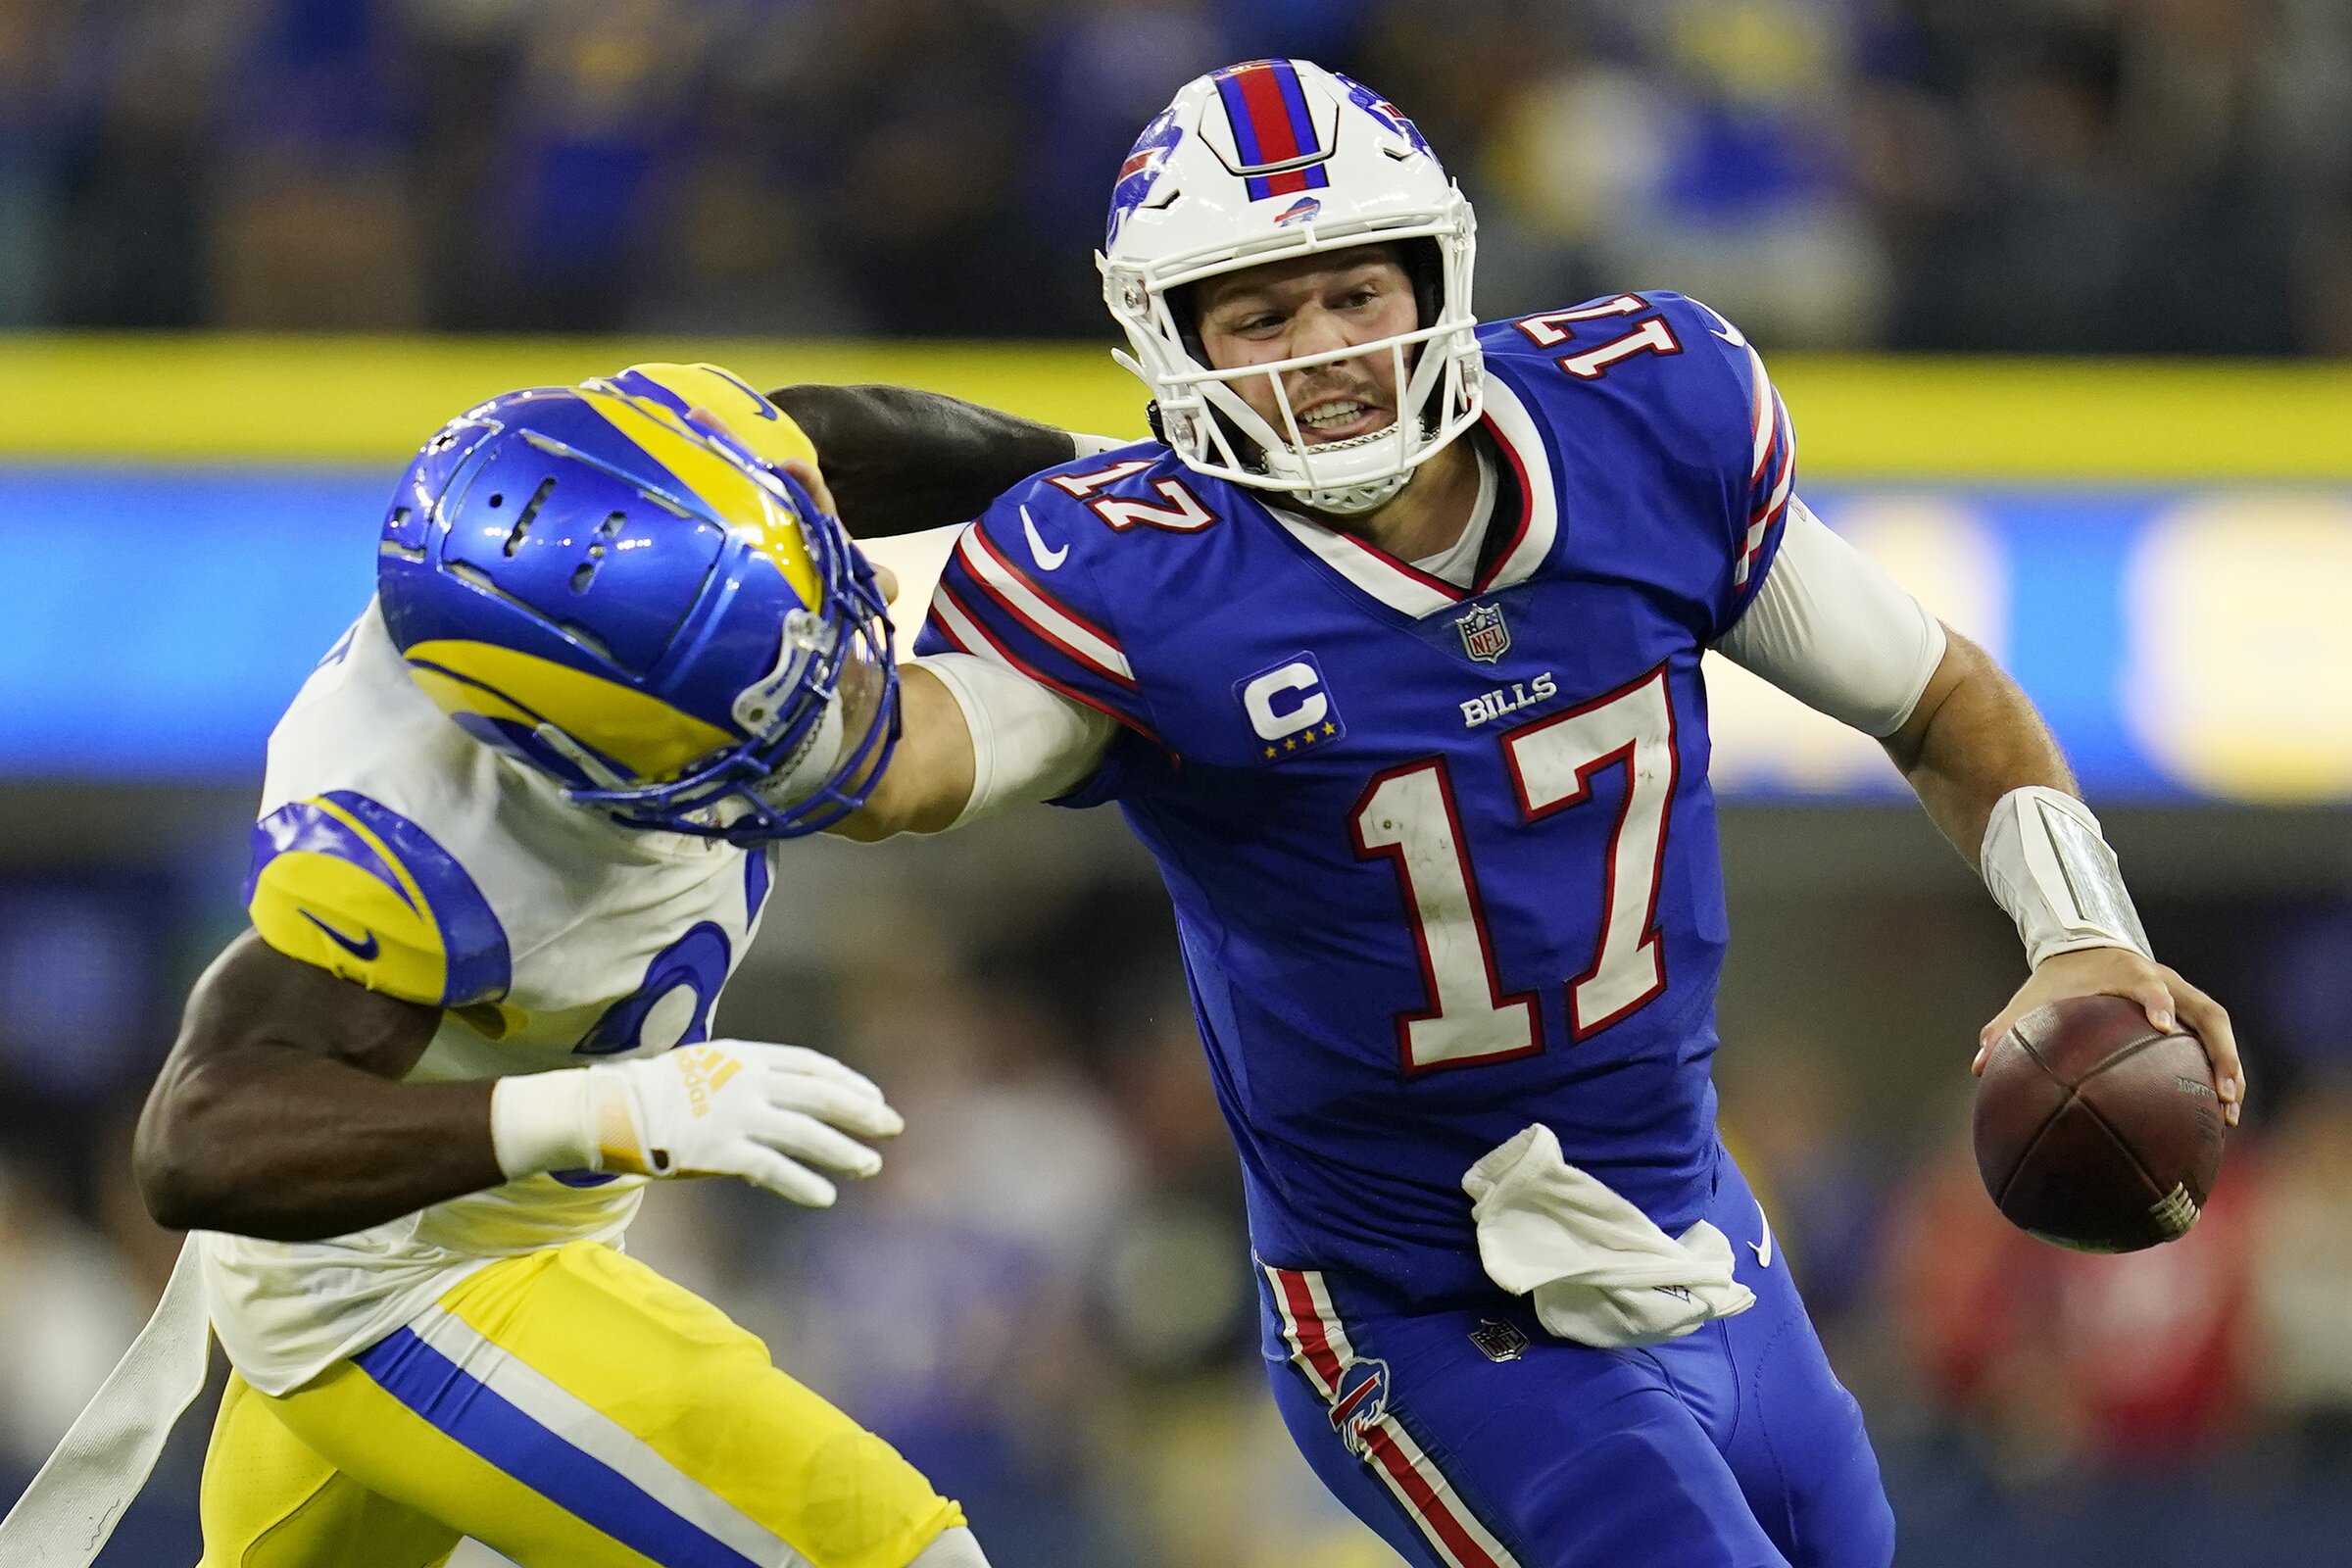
{"x":2095,"y":1129}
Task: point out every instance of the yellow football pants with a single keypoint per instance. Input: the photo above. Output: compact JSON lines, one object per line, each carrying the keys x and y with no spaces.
{"x":571,"y":1410}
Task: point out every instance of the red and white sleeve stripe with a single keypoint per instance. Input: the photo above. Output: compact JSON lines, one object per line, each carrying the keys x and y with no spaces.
{"x":1771,"y":476}
{"x":953,"y":620}
{"x":1021,"y":598}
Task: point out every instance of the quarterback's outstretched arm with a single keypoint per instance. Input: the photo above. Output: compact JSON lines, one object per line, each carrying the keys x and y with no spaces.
{"x":930,"y":775}
{"x":974,"y":739}
{"x":973,"y":736}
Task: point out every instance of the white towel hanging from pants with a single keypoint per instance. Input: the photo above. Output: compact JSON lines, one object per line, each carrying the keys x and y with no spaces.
{"x":1598,"y":1270}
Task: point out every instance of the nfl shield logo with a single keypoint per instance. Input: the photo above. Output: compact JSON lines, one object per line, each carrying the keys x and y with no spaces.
{"x":1486,"y":636}
{"x":1499,"y":1340}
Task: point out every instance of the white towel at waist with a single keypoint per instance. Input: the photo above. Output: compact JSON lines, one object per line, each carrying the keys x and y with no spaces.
{"x":1599,"y":1271}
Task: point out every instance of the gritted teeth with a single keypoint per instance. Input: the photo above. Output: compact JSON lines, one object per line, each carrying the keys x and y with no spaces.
{"x":1330,"y":414}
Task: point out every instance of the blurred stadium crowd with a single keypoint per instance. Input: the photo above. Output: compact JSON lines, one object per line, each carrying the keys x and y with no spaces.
{"x":2102,"y":175}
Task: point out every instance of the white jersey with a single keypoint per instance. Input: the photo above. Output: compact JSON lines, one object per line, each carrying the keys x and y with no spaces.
{"x":396,"y":851}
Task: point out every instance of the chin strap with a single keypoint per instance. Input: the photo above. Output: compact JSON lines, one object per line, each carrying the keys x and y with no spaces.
{"x":813,"y":762}
{"x":1350,"y":500}
{"x":66,"y":1516}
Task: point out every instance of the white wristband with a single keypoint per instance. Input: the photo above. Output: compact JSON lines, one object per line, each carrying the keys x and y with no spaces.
{"x":1094,"y":446}
{"x":543,"y":1121}
{"x":2046,"y":863}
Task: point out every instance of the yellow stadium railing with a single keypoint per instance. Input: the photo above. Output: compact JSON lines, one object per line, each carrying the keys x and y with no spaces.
{"x":258,"y":399}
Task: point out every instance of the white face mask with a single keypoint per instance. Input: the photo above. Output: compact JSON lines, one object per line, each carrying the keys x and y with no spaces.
{"x":1348,"y":476}
{"x":1433,"y":373}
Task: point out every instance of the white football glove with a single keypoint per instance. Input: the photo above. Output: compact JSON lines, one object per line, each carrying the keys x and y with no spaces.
{"x":723,"y":1108}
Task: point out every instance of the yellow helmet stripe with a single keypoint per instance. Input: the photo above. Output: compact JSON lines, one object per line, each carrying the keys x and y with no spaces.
{"x":454,"y":694}
{"x":644,"y":734}
{"x":767,"y":430}
{"x":740,"y":501}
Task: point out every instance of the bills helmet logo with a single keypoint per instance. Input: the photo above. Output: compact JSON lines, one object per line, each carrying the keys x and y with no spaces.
{"x":1359,"y":1402}
{"x":1486,"y":635}
{"x":1137,"y":176}
{"x":1391,"y":117}
{"x":1300,"y":210}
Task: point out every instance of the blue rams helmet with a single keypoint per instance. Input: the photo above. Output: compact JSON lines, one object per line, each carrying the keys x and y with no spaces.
{"x":618,"y":584}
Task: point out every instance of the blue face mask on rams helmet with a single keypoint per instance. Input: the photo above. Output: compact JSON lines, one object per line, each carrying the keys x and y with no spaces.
{"x":616,"y":584}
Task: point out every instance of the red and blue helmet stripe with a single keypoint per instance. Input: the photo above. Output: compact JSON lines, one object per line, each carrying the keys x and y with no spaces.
{"x":1272,"y":128}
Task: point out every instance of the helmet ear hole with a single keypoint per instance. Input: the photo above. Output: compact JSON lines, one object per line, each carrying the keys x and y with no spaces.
{"x":1424,"y":266}
{"x":1184,"y":308}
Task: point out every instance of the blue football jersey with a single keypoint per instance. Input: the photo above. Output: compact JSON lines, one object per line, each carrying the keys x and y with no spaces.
{"x":1444,"y":861}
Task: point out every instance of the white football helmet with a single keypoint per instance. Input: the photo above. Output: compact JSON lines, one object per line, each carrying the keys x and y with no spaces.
{"x":1259,"y":163}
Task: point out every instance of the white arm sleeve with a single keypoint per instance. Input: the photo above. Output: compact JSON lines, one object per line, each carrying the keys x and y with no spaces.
{"x":1092,"y":446}
{"x":1833,"y":631}
{"x":1028,"y":743}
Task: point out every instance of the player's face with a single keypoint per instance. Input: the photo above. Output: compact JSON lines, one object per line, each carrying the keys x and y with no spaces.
{"x":1313,"y":305}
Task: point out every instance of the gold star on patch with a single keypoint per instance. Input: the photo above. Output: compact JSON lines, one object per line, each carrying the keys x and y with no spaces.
{"x":1269,"y":752}
{"x":1330,"y":728}
{"x":1291,"y":745}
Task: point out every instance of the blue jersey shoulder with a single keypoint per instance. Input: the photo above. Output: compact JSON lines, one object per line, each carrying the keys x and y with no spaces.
{"x":1659,"y":382}
{"x":1106,"y":504}
{"x":1688,"y":372}
{"x":1041,"y":581}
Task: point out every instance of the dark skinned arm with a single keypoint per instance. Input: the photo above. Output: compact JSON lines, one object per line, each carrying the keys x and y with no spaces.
{"x":280,"y":1113}
{"x":899,"y":461}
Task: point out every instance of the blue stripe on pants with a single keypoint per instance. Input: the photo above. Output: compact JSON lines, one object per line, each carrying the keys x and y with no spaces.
{"x":592,"y":1491}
